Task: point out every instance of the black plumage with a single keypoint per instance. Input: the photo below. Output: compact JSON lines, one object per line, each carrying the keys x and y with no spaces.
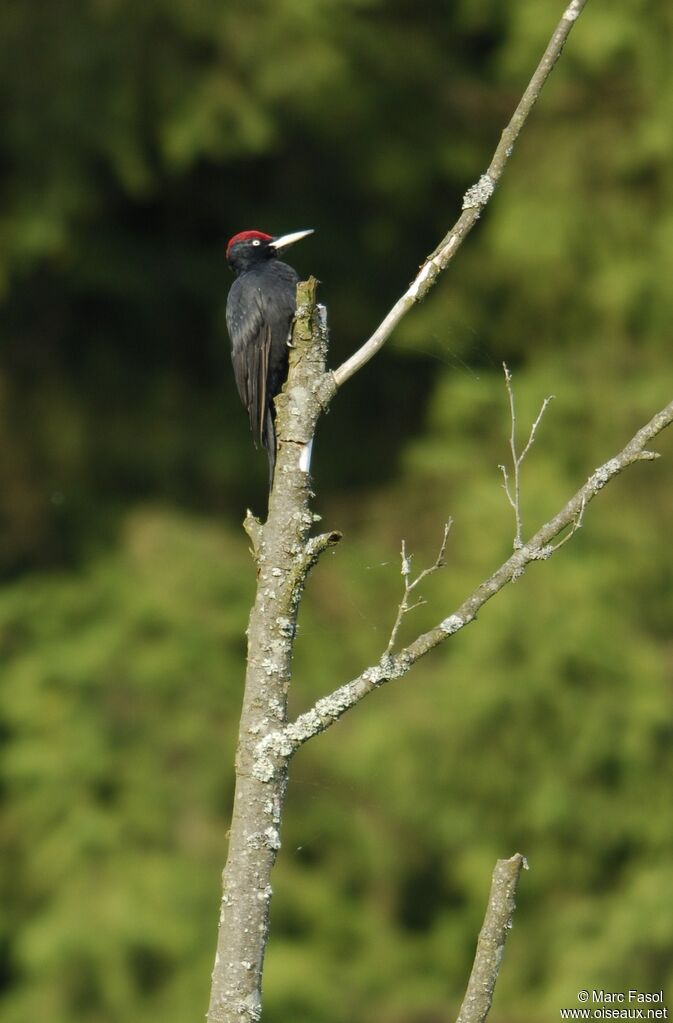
{"x":260,"y":310}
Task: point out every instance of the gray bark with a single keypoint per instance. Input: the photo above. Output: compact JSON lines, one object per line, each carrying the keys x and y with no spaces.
{"x":284,"y":555}
{"x":492,"y":937}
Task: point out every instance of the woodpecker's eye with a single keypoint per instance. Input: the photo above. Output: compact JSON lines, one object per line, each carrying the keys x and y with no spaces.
{"x":256,"y":241}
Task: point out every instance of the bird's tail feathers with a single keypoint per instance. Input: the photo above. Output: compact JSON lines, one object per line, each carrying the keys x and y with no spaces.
{"x":269,"y":442}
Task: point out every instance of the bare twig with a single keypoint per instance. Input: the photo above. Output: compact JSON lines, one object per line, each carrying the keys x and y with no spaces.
{"x":283,"y":742}
{"x":474,"y":201}
{"x":517,"y":459}
{"x":410,"y":586}
{"x":492,"y":937}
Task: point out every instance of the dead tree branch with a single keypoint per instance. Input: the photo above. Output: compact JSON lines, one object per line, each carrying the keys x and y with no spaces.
{"x":279,"y":745}
{"x":284,"y":553}
{"x":492,"y":937}
{"x":474,"y":201}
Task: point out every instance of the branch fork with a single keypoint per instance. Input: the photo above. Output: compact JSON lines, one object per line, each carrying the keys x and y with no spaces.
{"x":410,"y":585}
{"x":514,"y":496}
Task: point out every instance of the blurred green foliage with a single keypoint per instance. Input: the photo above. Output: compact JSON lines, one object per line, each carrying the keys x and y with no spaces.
{"x":136,"y":139}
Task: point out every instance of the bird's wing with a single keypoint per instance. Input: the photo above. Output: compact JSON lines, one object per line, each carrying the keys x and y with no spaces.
{"x":250,"y":347}
{"x":258,"y":430}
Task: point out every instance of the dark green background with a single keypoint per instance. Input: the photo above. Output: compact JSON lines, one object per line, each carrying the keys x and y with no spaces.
{"x":136,"y":138}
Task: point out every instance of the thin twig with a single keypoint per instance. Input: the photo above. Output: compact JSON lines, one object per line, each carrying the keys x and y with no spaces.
{"x":410,"y":586}
{"x":492,"y":937}
{"x":474,"y":201}
{"x":517,"y":459}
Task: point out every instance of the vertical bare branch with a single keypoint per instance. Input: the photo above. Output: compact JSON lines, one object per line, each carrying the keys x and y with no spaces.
{"x":492,"y":937}
{"x":284,"y":553}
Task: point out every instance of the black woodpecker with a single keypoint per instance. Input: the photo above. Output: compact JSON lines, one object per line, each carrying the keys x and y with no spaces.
{"x":260,"y":310}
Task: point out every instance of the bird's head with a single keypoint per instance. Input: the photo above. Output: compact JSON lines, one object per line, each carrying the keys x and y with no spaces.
{"x":249,"y":248}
